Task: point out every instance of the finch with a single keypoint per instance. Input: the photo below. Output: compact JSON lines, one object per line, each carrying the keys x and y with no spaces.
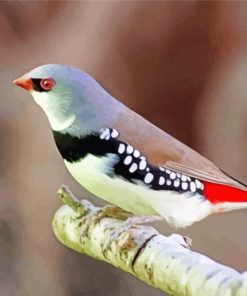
{"x":122,"y":158}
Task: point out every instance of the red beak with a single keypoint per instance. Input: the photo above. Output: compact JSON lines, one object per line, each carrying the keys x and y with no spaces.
{"x":24,"y":82}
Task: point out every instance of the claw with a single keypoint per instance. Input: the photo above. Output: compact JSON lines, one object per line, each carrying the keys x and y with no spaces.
{"x":96,"y":215}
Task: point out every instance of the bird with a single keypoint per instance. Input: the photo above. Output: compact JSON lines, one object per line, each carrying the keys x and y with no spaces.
{"x":122,"y":158}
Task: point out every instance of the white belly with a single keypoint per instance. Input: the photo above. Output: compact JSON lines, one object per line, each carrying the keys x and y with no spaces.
{"x":178,"y":209}
{"x":90,"y":173}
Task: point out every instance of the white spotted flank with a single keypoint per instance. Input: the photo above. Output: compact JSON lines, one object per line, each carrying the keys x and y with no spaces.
{"x":183,"y":178}
{"x":105,"y":134}
{"x":121,"y":148}
{"x":176,"y":183}
{"x":128,"y":160}
{"x":184,"y":185}
{"x":168,"y":182}
{"x":192,"y":186}
{"x":114,"y":133}
{"x":172,"y":175}
{"x":162,"y":180}
{"x":136,"y":153}
{"x":133,"y":168}
{"x":129,"y":149}
{"x":142,"y":164}
{"x":148,"y":178}
{"x":198,"y":184}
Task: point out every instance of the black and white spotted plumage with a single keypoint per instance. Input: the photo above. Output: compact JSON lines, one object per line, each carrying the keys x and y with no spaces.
{"x":131,"y":164}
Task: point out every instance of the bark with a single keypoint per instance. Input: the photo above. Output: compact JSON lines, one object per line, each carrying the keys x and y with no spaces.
{"x":163,"y":262}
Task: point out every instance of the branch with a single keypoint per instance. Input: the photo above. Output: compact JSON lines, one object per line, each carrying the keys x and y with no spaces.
{"x":162,"y":262}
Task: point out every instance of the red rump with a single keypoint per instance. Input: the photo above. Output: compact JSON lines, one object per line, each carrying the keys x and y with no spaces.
{"x":217,"y":193}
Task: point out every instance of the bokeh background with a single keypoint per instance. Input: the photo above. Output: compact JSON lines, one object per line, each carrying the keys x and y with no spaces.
{"x":182,"y":65}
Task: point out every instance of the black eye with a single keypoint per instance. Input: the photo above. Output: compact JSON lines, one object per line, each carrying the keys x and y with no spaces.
{"x":47,"y":83}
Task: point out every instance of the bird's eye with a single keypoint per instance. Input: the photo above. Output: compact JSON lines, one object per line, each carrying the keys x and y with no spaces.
{"x":47,"y":83}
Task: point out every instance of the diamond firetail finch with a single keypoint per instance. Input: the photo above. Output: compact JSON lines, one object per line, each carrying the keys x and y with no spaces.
{"x":122,"y":158}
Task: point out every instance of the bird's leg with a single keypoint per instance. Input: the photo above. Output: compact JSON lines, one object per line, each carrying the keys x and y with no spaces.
{"x":129,"y":223}
{"x":96,"y":214}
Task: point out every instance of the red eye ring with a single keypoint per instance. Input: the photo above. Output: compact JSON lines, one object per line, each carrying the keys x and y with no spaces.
{"x":47,"y":83}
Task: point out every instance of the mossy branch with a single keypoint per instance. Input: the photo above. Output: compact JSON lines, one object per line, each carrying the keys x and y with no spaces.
{"x":162,"y":262}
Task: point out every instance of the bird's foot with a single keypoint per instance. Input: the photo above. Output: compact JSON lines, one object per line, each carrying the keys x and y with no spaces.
{"x":184,"y":241}
{"x":96,"y":214}
{"x":126,"y":226}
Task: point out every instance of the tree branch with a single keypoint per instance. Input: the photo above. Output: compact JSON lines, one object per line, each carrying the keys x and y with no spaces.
{"x":162,"y":262}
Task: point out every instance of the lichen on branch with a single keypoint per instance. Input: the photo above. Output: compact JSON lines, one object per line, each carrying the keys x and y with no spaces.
{"x":166,"y":263}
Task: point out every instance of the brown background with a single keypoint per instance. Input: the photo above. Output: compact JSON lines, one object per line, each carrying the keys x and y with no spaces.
{"x":182,"y":65}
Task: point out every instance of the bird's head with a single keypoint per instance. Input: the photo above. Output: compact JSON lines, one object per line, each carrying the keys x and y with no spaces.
{"x":72,"y":100}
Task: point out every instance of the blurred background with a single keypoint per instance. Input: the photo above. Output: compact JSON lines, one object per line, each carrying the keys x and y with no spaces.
{"x":182,"y":65}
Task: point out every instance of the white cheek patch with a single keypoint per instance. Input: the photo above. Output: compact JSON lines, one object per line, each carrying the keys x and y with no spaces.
{"x":58,"y":123}
{"x":41,"y":99}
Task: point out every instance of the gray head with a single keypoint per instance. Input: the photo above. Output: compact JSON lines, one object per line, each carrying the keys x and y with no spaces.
{"x":72,"y":100}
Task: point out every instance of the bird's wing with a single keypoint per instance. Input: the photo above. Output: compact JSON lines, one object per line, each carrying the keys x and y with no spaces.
{"x":164,"y":150}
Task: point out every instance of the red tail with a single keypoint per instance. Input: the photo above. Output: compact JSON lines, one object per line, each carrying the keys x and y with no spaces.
{"x":217,"y":193}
